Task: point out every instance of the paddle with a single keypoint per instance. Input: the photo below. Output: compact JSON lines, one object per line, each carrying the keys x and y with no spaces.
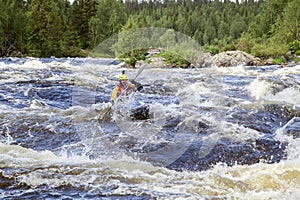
{"x":140,"y":70}
{"x":138,"y":85}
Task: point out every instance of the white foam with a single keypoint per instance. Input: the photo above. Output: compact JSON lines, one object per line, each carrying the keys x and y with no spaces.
{"x":262,"y":90}
{"x":288,"y":95}
{"x":259,"y":89}
{"x":287,"y":71}
{"x":131,"y":176}
{"x":193,"y":94}
{"x":236,"y":70}
{"x":293,"y":143}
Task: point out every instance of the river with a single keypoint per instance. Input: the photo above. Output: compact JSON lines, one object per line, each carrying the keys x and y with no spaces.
{"x":214,"y":133}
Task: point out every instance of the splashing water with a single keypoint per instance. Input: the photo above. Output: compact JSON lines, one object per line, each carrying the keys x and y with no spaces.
{"x":223,"y":133}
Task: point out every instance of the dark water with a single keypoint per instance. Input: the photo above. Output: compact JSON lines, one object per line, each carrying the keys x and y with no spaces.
{"x":215,"y":133}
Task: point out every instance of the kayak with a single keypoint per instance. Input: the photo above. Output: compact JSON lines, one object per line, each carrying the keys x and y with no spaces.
{"x":137,"y":111}
{"x":140,"y":112}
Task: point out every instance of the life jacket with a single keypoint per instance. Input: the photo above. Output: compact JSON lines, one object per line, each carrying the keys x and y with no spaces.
{"x":125,"y":89}
{"x":121,"y":90}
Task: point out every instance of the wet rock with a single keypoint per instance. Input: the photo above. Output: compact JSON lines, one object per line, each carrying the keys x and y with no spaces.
{"x":158,"y":62}
{"x":6,"y":181}
{"x":139,"y":63}
{"x":292,"y":127}
{"x":224,"y":59}
{"x":265,"y":120}
{"x":289,"y":55}
{"x":172,"y":122}
{"x":269,"y":61}
{"x":205,"y":61}
{"x":282,"y":111}
{"x":231,"y":153}
{"x":234,"y":58}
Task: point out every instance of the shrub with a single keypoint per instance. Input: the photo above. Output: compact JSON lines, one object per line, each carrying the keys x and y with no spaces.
{"x":295,"y":47}
{"x":213,"y":50}
{"x":296,"y":60}
{"x":269,"y":50}
{"x":277,"y":61}
{"x":173,"y":59}
{"x":131,"y":57}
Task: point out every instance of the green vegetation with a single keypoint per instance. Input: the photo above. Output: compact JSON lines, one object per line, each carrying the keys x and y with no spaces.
{"x":264,"y":28}
{"x":278,"y":61}
{"x":173,"y":59}
{"x":296,"y":59}
{"x":131,"y":57}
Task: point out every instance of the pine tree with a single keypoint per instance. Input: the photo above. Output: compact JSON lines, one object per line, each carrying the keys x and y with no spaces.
{"x":168,"y":40}
{"x":289,"y":27}
{"x":237,"y":26}
{"x":45,"y":32}
{"x":12,"y":25}
{"x":83,"y":11}
{"x":111,"y":16}
{"x":128,"y":40}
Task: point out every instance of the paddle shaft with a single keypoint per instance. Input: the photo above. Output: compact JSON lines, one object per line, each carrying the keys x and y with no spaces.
{"x":140,"y":70}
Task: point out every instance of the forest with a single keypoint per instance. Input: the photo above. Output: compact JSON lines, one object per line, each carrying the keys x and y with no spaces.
{"x":45,"y":28}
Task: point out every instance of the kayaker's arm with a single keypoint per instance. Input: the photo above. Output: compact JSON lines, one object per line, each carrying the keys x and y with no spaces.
{"x":114,"y":94}
{"x":137,"y":85}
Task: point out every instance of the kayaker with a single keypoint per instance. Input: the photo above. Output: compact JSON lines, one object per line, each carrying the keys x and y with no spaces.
{"x":124,"y":87}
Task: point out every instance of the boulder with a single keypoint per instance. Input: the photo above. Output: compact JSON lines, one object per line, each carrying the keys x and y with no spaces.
{"x":205,"y":61}
{"x":157,"y":62}
{"x":234,"y":58}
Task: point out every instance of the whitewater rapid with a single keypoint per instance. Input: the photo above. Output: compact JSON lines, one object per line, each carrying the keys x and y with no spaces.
{"x":216,"y":133}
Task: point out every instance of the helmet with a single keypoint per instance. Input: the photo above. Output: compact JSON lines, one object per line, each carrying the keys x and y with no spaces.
{"x":123,"y":77}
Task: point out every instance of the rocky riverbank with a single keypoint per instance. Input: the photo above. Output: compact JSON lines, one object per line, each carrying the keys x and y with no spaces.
{"x":223,"y":59}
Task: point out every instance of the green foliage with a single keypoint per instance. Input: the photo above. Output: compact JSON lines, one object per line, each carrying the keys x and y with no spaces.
{"x":12,"y":25}
{"x":57,"y":28}
{"x":82,"y":12}
{"x":297,"y":59}
{"x":47,"y":32}
{"x":246,"y":42}
{"x":168,"y":40}
{"x":173,"y":59}
{"x":237,"y":26}
{"x":95,"y":30}
{"x":130,"y":58}
{"x":269,"y":49}
{"x":212,"y":49}
{"x":278,"y":61}
{"x":294,"y":47}
{"x":130,"y":39}
{"x":109,"y":19}
{"x":289,"y":26}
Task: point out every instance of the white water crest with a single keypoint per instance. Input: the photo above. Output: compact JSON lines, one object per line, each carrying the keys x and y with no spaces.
{"x":130,"y":176}
{"x":51,"y":146}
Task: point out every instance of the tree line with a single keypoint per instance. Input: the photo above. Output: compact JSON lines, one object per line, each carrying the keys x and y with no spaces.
{"x":44,"y":28}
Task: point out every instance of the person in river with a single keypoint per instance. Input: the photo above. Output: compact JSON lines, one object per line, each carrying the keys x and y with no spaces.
{"x":124,"y":88}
